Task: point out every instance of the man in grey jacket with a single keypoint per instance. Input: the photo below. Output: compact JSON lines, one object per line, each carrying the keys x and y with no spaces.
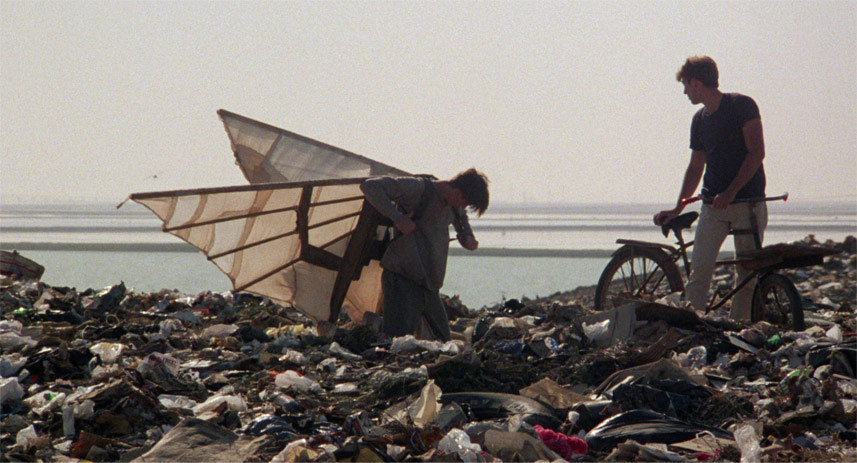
{"x":414,"y":263}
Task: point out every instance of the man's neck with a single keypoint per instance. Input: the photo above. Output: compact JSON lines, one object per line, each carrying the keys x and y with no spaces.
{"x":712,"y":100}
{"x":442,"y":187}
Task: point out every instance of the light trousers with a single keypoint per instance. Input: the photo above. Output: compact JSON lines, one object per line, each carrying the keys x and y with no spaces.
{"x":711,"y":230}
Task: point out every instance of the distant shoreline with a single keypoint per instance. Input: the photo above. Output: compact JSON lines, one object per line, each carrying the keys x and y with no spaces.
{"x":809,"y":228}
{"x":183,"y":247}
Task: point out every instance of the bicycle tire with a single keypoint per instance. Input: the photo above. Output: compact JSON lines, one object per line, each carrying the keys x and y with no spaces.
{"x":777,"y":301}
{"x":643,"y":273}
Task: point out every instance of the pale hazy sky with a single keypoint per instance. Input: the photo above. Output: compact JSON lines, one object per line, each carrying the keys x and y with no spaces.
{"x":555,"y":101}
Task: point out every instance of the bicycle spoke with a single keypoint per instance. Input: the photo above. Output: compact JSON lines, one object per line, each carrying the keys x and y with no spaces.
{"x":636,"y":274}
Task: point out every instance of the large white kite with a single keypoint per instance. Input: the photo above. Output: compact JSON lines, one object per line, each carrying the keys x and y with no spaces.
{"x":301,"y":233}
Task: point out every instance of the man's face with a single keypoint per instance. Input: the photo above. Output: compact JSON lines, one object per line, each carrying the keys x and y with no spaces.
{"x":456,"y":198}
{"x":691,"y":89}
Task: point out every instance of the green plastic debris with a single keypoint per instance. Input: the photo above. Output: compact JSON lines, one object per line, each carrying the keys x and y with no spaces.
{"x":796,"y":373}
{"x":774,"y":341}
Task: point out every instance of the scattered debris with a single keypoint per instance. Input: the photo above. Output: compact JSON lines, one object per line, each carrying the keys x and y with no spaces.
{"x":117,"y":375}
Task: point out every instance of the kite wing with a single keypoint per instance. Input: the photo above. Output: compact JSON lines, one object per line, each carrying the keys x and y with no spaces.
{"x":305,"y":243}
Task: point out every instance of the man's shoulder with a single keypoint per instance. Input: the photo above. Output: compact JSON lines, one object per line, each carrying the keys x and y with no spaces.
{"x":739,"y":98}
{"x":400,"y":184}
{"x":737,"y":95}
{"x":743,"y":106}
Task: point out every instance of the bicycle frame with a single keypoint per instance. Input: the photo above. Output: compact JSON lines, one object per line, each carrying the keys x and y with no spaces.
{"x":681,"y":251}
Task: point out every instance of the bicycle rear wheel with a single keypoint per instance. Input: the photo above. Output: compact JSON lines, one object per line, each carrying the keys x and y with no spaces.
{"x":637,"y":273}
{"x":777,"y":301}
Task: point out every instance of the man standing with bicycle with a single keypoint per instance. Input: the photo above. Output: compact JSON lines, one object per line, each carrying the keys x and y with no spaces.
{"x":728,"y":146}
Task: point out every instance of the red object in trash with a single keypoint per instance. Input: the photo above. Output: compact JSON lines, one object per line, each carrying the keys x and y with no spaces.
{"x":566,"y":446}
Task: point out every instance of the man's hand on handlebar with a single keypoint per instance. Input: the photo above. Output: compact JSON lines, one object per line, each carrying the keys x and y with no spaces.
{"x":664,"y":217}
{"x":723,"y":200}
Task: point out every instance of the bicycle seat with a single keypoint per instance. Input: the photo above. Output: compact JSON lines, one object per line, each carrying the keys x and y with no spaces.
{"x":680,"y":223}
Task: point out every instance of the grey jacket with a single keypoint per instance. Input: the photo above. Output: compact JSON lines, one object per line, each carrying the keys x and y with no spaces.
{"x":419,"y":256}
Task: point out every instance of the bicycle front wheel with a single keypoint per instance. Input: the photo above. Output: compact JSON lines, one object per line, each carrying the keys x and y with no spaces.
{"x":777,"y":301}
{"x":637,"y":273}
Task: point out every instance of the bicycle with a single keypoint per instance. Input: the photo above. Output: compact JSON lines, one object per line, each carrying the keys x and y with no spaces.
{"x":650,"y":271}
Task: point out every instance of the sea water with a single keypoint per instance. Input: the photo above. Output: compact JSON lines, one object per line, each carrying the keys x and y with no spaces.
{"x":525,"y":251}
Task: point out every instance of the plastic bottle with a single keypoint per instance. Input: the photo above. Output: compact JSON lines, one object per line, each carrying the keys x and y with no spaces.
{"x":573,"y":416}
{"x":552,"y":344}
{"x":345,"y":388}
{"x":748,"y":443}
{"x":68,"y":420}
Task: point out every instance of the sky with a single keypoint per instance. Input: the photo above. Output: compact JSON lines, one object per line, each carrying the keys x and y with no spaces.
{"x":572,"y":101}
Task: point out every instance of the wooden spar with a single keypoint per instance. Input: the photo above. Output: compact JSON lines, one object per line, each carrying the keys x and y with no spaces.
{"x":259,"y":213}
{"x":290,"y":233}
{"x":268,"y":274}
{"x":251,"y":187}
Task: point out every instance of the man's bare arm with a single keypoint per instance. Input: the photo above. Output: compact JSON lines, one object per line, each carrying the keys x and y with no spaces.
{"x":692,"y":176}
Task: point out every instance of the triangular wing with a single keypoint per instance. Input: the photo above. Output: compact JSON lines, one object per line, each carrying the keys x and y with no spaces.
{"x":269,"y":154}
{"x":298,"y":243}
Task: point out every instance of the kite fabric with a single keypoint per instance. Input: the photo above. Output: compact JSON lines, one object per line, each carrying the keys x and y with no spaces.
{"x":303,"y":244}
{"x":300,"y":234}
{"x":269,"y":154}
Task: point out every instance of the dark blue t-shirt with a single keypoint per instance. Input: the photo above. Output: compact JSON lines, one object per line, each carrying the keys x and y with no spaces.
{"x":720,"y":136}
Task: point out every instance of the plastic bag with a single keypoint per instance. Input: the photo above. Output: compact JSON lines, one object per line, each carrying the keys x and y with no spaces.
{"x":10,"y":365}
{"x":108,"y":351}
{"x":426,"y":408}
{"x":219,"y":331}
{"x":11,"y":340}
{"x":458,"y":442}
{"x":176,"y":401}
{"x":694,"y":359}
{"x":293,"y":356}
{"x":234,"y":403}
{"x":597,"y":331}
{"x":297,"y":450}
{"x":168,"y":326}
{"x":342,"y":352}
{"x":291,"y":378}
{"x":10,"y":390}
{"x":834,"y":333}
{"x":25,"y":435}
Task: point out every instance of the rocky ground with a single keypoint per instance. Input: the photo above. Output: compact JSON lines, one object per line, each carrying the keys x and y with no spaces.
{"x":117,"y":375}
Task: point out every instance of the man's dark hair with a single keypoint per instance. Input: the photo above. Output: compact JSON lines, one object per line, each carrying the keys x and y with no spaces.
{"x":702,"y":68}
{"x":474,"y":188}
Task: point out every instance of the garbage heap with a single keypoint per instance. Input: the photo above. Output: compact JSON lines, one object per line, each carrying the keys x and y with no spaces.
{"x":117,"y":375}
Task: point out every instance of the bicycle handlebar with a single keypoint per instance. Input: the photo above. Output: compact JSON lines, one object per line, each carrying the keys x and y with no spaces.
{"x":693,"y":199}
